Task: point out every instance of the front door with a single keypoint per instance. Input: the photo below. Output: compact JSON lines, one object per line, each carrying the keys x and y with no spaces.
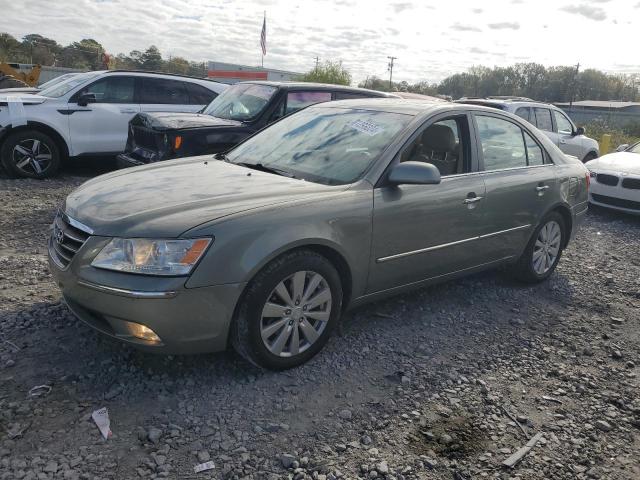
{"x":426,"y":231}
{"x":101,"y":127}
{"x":568,"y":142}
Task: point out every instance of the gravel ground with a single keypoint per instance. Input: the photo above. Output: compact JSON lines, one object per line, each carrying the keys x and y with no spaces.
{"x":443,"y":383}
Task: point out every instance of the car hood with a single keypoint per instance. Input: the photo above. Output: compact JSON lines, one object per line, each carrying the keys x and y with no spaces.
{"x":22,"y":97}
{"x":622,"y":162}
{"x":169,"y":198}
{"x":14,"y":90}
{"x":164,"y":121}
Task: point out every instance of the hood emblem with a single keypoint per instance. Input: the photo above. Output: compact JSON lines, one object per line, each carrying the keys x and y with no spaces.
{"x":58,"y":234}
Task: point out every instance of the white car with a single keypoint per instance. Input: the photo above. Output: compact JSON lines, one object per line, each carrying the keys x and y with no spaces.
{"x":88,"y":114}
{"x":615,"y":180}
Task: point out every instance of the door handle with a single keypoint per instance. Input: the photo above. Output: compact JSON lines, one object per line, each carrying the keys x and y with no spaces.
{"x":542,"y":188}
{"x":471,"y":200}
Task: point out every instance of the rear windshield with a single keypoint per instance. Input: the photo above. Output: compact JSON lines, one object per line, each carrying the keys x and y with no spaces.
{"x":241,"y":102}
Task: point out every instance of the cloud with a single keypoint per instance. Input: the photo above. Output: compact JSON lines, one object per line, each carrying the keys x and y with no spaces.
{"x":504,"y":26}
{"x":465,"y":28}
{"x":400,"y":7}
{"x":593,"y":13}
{"x":477,"y":10}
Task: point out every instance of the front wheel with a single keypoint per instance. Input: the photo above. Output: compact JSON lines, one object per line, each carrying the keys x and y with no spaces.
{"x":288,"y":311}
{"x":30,"y":153}
{"x":543,"y":252}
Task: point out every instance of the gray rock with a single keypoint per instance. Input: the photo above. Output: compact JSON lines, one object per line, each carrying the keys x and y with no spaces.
{"x":382,"y":467}
{"x":154,"y":434}
{"x":345,"y":414}
{"x":603,"y":425}
{"x":203,"y":456}
{"x":287,"y":460}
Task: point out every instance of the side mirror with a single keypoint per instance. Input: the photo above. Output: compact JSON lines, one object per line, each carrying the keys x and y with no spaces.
{"x":622,"y":148}
{"x":580,"y":131}
{"x":86,"y":98}
{"x":414,"y":173}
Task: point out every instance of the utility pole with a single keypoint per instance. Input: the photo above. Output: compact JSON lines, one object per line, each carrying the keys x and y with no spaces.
{"x":317,"y":59}
{"x":390,"y":68}
{"x":573,"y":85}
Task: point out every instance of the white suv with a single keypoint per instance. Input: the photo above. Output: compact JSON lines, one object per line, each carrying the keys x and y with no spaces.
{"x":88,"y":114}
{"x":552,"y":121}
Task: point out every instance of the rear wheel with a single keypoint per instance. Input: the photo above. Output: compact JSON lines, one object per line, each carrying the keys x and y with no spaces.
{"x":288,"y":311}
{"x":30,"y":153}
{"x":543,"y":251}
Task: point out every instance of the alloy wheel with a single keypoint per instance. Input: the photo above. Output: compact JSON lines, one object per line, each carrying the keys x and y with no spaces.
{"x":296,"y":313}
{"x":547,"y":247}
{"x":31,"y":156}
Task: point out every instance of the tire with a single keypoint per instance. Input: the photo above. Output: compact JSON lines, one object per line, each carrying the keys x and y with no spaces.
{"x":528,"y":269}
{"x":589,"y":156}
{"x":293,"y":321}
{"x":30,"y":153}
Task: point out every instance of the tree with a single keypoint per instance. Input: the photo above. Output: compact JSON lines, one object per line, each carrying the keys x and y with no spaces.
{"x":177,"y":65}
{"x":328,"y":72}
{"x":151,"y":59}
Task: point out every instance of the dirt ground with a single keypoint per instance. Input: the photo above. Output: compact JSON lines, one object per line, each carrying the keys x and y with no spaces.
{"x":443,"y":383}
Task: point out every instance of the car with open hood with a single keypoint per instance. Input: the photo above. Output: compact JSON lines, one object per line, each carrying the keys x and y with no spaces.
{"x":616,"y":179}
{"x":242,"y":110}
{"x":341,"y":203}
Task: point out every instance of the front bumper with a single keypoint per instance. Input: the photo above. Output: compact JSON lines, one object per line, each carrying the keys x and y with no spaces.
{"x":616,"y":196}
{"x":125,"y":161}
{"x":186,"y":320}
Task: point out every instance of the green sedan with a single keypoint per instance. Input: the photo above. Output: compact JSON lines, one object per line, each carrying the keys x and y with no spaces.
{"x":342,"y":203}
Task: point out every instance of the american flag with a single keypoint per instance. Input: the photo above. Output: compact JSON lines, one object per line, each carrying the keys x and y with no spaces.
{"x":263,"y":36}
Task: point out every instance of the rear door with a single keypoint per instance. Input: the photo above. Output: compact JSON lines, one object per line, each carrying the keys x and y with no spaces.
{"x":101,"y":127}
{"x":519,"y":179}
{"x":426,"y":231}
{"x":165,"y":95}
{"x":568,"y":142}
{"x":541,"y":117}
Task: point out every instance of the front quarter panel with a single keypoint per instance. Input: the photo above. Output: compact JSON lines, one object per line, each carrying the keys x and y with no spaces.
{"x":245,"y":243}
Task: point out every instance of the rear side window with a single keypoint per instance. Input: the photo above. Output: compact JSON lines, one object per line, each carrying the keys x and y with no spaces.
{"x":199,"y":95}
{"x":298,"y":100}
{"x":543,"y":119}
{"x":524,"y":112}
{"x":563,"y":124}
{"x":534,"y":151}
{"x":111,"y":90}
{"x":502,"y":143}
{"x":163,"y":91}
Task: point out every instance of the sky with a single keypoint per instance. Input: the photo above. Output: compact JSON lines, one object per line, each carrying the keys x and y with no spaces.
{"x":431,"y":39}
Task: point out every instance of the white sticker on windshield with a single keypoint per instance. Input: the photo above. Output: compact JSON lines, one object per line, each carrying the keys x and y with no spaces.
{"x":366,"y":127}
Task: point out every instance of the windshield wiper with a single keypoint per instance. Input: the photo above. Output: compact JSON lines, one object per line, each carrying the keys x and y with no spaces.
{"x":221,"y":156}
{"x":264,"y":168}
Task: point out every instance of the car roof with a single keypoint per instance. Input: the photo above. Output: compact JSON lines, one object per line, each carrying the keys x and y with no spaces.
{"x":163,"y":74}
{"x":498,"y":102}
{"x":391,"y":105}
{"x":320,"y":86}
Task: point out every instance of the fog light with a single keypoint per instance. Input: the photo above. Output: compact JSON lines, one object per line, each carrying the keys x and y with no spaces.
{"x":142,"y":332}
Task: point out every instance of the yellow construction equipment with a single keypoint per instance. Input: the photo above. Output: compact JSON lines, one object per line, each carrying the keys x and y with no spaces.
{"x":12,"y":70}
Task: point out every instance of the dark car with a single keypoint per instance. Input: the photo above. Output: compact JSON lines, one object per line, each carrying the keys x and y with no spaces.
{"x":239,"y":112}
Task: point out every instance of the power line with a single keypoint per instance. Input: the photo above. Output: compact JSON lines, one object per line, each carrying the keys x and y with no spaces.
{"x":390,"y":68}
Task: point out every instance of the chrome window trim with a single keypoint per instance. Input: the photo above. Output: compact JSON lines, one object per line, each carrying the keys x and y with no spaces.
{"x":127,"y":293}
{"x":450,"y":244}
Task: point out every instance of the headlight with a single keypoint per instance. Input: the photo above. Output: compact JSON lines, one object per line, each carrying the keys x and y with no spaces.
{"x":151,"y":257}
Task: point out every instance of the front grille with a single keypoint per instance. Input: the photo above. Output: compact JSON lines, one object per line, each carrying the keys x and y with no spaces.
{"x":66,"y":239}
{"x":632,"y":183}
{"x":616,"y":202}
{"x":142,"y":137}
{"x":605,"y":179}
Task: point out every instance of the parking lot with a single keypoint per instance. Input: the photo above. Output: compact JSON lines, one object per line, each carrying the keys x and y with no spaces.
{"x":446,"y":382}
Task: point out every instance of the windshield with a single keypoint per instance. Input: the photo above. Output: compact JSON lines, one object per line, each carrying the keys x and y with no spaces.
{"x":55,"y":81}
{"x":333,"y":146}
{"x":634,"y":148}
{"x":62,"y":88}
{"x":241,"y":102}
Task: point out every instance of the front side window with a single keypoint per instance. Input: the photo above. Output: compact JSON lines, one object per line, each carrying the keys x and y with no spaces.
{"x":563,"y":123}
{"x":112,"y":90}
{"x":332,"y":146}
{"x":163,"y":91}
{"x":634,"y":148}
{"x":199,"y":95}
{"x":243,"y":101}
{"x":442,"y":144}
{"x":502,"y":143}
{"x":298,"y":100}
{"x":543,"y":119}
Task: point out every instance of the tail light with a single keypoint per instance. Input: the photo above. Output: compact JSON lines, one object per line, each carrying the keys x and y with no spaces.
{"x":588,"y":177}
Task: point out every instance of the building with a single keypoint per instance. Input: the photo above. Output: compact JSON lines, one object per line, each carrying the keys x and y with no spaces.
{"x":233,"y":73}
{"x":611,"y":112}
